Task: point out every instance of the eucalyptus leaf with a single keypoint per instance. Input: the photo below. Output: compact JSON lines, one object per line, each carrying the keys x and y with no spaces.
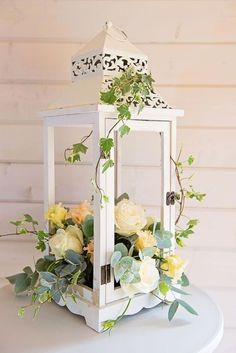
{"x":73,"y":257}
{"x":116,"y":256}
{"x":187,"y":307}
{"x":48,"y":277}
{"x":88,"y":226}
{"x":122,"y":249}
{"x":163,"y":239}
{"x":178,"y":290}
{"x":172,"y":309}
{"x":184,"y":280}
{"x":67,"y":270}
{"x":150,"y":251}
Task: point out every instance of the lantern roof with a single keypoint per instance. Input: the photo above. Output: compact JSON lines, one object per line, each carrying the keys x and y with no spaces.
{"x":111,"y":39}
{"x":93,"y":67}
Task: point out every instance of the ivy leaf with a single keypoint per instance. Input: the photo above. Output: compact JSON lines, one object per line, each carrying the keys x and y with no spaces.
{"x":123,"y":112}
{"x":187,"y":307}
{"x":190,"y":160}
{"x":17,"y":223}
{"x":23,"y":231}
{"x":172,"y":310}
{"x":106,"y":144}
{"x":105,"y":198}
{"x":77,"y":149}
{"x":108,"y":97}
{"x":193,"y":222}
{"x":29,"y":219}
{"x":124,"y":130}
{"x":108,"y":164}
{"x":21,"y":312}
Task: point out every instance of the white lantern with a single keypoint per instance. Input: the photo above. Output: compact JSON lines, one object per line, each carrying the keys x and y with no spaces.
{"x":107,"y":55}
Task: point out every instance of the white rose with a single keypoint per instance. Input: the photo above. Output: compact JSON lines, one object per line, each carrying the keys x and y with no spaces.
{"x":149,"y":275}
{"x":129,"y":218}
{"x":71,"y":238}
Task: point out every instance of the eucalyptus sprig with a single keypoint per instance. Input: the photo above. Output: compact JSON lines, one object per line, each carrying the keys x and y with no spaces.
{"x":130,"y":89}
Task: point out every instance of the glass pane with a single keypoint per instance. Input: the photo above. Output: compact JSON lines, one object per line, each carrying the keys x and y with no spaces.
{"x":74,"y":190}
{"x":139,"y":173}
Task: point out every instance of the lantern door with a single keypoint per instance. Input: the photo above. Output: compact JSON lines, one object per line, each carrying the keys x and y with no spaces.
{"x":143,"y":171}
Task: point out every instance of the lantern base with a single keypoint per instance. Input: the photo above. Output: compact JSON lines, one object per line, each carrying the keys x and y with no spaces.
{"x":95,"y":316}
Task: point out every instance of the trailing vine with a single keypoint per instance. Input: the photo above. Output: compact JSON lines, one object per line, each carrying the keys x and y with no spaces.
{"x":185,"y":191}
{"x":128,"y":90}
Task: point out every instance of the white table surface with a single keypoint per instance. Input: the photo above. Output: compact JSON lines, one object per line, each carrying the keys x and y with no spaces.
{"x":56,"y":330}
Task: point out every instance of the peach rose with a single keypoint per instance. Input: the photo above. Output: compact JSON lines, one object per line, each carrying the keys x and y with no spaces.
{"x":80,"y":212}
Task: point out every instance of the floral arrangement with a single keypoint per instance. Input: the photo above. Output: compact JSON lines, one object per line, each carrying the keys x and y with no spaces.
{"x":143,"y":261}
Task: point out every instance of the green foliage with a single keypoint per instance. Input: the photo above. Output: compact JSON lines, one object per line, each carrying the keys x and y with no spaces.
{"x":184,"y":281}
{"x":124,"y":130}
{"x":127,"y":270}
{"x":108,"y":164}
{"x":172,"y":309}
{"x":122,"y":249}
{"x":76,"y":151}
{"x":42,"y":239}
{"x":164,"y":288}
{"x":192,"y":194}
{"x":187,"y":307}
{"x":186,"y":191}
{"x":87,"y":227}
{"x":108,"y":97}
{"x":115,"y":258}
{"x":185,"y":233}
{"x":178,"y":290}
{"x":163,"y":238}
{"x":21,"y":312}
{"x":106,"y":144}
{"x":150,"y":251}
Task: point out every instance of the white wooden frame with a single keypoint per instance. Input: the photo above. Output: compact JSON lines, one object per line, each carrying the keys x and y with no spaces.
{"x":103,"y":301}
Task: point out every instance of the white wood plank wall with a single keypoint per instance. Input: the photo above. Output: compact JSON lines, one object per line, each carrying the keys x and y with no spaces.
{"x":192,"y":49}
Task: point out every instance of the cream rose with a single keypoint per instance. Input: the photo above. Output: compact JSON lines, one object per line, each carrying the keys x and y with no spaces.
{"x":149,"y":275}
{"x":145,"y":240}
{"x":174,"y":266}
{"x":129,"y":218}
{"x":57,"y":215}
{"x":71,"y":238}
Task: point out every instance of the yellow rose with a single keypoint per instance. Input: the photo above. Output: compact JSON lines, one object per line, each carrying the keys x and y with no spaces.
{"x":174,"y":266}
{"x":80,"y":212}
{"x":149,"y":276}
{"x":70,"y":238}
{"x":129,"y":218}
{"x":145,"y":240}
{"x":57,"y":215}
